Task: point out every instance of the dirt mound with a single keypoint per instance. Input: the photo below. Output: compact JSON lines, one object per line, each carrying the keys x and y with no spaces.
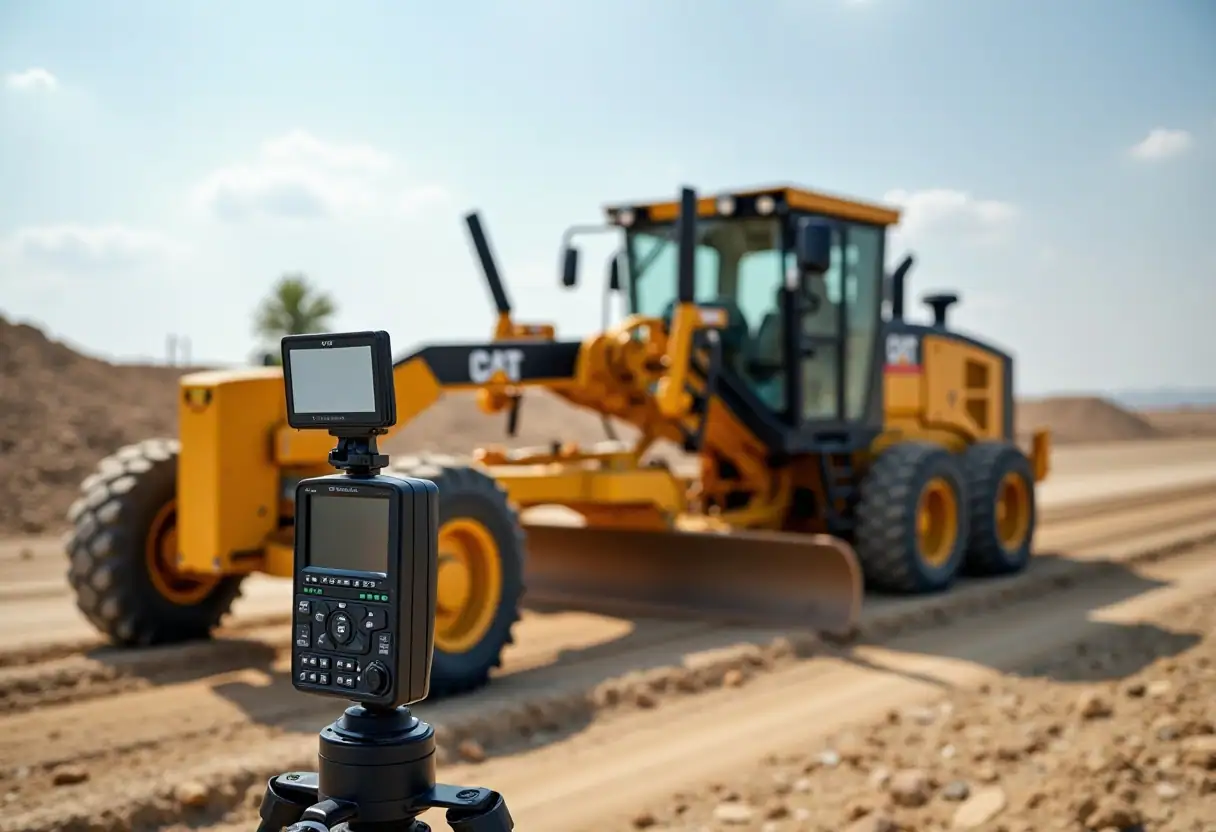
{"x":1076,"y":419}
{"x":60,"y":412}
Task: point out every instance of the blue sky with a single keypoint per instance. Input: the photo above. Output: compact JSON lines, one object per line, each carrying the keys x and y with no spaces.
{"x":163,"y":162}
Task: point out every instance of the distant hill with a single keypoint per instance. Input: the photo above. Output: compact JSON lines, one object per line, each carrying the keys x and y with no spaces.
{"x":1166,"y":398}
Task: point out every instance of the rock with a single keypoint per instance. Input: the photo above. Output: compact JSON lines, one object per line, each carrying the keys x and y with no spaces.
{"x":956,"y":790}
{"x":645,"y":699}
{"x":69,"y":775}
{"x":910,"y":788}
{"x":1135,"y":690}
{"x":980,"y":808}
{"x":1200,"y":752}
{"x":873,"y":823}
{"x":1093,"y":705}
{"x":471,"y":751}
{"x":1113,"y":811}
{"x":777,"y":811}
{"x":880,"y":777}
{"x":1159,"y":688}
{"x":734,"y":814}
{"x":829,"y":758}
{"x":1167,"y":729}
{"x":802,"y":785}
{"x":1167,"y":791}
{"x":733,"y":678}
{"x":191,"y":794}
{"x":644,"y":820}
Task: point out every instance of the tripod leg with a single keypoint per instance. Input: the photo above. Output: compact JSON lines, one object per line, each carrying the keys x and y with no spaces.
{"x":286,"y":798}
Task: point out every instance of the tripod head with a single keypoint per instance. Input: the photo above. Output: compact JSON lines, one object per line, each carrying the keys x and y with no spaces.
{"x":382,"y":764}
{"x":365,"y":573}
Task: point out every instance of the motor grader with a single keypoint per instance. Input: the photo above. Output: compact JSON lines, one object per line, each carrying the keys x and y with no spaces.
{"x":839,"y":445}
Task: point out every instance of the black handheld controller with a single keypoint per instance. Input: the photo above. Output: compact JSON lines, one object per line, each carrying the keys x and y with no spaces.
{"x":365,"y":545}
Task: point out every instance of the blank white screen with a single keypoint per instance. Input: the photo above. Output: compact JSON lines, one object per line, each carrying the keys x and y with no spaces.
{"x":336,"y":380}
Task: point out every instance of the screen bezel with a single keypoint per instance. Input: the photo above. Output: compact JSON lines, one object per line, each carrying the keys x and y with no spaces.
{"x":362,"y":491}
{"x":385,"y":414}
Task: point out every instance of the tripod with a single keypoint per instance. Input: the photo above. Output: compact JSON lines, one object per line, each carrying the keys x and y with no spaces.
{"x":377,"y":774}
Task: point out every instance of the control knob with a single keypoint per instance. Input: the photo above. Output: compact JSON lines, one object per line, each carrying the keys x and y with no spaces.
{"x":376,"y":676}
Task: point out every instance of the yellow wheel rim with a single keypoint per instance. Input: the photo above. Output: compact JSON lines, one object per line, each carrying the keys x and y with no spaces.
{"x":1012,"y":510}
{"x":470,"y":585}
{"x":937,"y":522}
{"x":160,"y":555}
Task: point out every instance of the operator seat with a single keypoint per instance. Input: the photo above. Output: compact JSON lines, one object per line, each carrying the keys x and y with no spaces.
{"x":766,"y":363}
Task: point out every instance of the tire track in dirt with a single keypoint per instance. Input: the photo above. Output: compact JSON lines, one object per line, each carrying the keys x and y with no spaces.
{"x":182,"y":725}
{"x":63,"y":632}
{"x":109,"y":671}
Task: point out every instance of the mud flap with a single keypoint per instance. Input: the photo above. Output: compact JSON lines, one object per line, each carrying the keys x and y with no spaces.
{"x":767,"y":579}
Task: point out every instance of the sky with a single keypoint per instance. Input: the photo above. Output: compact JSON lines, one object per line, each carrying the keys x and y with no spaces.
{"x":162,"y":164}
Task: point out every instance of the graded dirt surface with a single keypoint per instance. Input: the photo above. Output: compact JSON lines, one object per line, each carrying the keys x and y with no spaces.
{"x":592,"y":718}
{"x":665,"y":758}
{"x":34,"y":568}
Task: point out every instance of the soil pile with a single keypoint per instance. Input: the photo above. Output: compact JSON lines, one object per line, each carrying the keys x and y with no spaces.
{"x":60,"y":412}
{"x":1076,"y":419}
{"x":1187,"y":422}
{"x":1132,"y":748}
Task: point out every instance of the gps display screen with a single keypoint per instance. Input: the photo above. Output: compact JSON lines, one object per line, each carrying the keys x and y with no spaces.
{"x":348,"y":533}
{"x":337,"y":380}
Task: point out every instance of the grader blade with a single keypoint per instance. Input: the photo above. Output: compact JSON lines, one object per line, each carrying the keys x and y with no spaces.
{"x":767,"y":579}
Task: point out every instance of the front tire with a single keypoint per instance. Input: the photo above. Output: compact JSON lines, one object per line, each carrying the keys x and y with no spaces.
{"x":912,"y":526}
{"x":481,"y":574}
{"x":123,"y":553}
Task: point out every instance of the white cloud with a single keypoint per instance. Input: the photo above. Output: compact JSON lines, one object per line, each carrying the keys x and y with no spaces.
{"x":77,"y":248}
{"x":301,"y":177}
{"x":942,"y":212}
{"x":1162,"y":143}
{"x":33,"y":79}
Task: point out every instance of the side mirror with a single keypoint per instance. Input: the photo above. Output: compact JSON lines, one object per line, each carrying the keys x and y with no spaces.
{"x":570,"y":267}
{"x":813,"y":246}
{"x":614,"y":273}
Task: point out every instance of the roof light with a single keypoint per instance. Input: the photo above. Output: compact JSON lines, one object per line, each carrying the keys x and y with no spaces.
{"x":726,"y":205}
{"x":765,"y":205}
{"x":625,"y":217}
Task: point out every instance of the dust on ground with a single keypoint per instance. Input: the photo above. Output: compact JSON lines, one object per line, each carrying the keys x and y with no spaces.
{"x":62,"y":411}
{"x":1020,"y":755}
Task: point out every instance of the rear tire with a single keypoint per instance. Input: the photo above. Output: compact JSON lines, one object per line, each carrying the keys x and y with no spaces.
{"x":1000,"y":481}
{"x":912,"y":528}
{"x":122,"y":552}
{"x":481,"y":573}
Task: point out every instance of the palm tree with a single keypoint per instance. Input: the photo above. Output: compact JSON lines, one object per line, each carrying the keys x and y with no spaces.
{"x":294,"y":306}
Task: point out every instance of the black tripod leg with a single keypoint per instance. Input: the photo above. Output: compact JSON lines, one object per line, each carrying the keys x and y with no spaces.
{"x":286,"y":798}
{"x":471,"y":809}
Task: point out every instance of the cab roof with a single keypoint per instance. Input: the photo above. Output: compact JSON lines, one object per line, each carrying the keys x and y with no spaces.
{"x":752,"y":202}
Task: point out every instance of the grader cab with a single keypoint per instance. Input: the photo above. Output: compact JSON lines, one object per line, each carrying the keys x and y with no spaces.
{"x":838,"y":445}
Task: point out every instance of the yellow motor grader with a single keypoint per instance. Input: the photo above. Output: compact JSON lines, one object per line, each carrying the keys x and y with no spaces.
{"x":839,"y":445}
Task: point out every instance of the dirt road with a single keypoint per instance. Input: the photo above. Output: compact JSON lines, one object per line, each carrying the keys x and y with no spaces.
{"x":34,"y":589}
{"x":157,"y":732}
